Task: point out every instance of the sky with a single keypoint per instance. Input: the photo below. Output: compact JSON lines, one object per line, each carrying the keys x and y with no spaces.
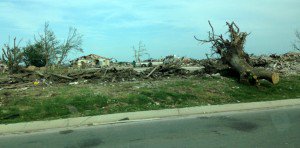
{"x":111,"y":28}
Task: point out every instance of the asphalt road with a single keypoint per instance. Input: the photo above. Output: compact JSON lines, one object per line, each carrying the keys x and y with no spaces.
{"x":265,"y":128}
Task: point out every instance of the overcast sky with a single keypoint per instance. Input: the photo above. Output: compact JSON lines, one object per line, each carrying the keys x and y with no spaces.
{"x":112,"y":27}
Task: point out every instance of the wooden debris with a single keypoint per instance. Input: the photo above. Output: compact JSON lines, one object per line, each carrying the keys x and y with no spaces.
{"x":152,"y":71}
{"x":62,"y":76}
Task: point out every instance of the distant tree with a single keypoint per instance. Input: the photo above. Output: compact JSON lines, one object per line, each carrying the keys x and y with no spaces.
{"x":49,"y":44}
{"x":296,"y":45}
{"x":73,"y":42}
{"x":35,"y":55}
{"x":140,"y":51}
{"x":12,"y":56}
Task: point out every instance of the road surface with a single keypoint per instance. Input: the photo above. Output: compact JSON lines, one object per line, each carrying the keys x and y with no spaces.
{"x":265,"y":128}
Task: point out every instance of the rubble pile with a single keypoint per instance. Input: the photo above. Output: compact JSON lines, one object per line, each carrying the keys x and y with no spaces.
{"x":286,"y":64}
{"x":169,"y":71}
{"x":107,"y":74}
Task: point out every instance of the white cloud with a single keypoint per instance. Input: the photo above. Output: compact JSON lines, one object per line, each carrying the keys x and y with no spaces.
{"x":139,"y":13}
{"x":100,"y":19}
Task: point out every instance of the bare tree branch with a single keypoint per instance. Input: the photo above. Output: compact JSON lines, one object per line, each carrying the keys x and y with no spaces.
{"x":12,"y":56}
{"x":296,"y":45}
{"x":73,"y":42}
{"x":141,"y":51}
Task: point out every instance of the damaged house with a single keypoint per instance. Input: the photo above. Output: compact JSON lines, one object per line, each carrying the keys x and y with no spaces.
{"x":91,"y":60}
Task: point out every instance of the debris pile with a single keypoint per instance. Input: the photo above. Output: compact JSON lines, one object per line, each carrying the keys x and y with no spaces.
{"x":169,"y":70}
{"x":107,"y":74}
{"x":286,"y":64}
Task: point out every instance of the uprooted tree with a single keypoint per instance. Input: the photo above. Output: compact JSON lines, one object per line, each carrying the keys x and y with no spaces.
{"x":231,"y":51}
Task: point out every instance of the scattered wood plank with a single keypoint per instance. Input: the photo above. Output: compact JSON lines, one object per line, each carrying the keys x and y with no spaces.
{"x":62,"y":76}
{"x":152,"y":71}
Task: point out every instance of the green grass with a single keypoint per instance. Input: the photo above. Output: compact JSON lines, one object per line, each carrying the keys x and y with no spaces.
{"x":63,"y":101}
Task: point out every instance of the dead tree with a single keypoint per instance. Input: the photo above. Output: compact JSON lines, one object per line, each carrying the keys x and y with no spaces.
{"x":141,"y":51}
{"x":12,"y":56}
{"x":232,"y":53}
{"x":73,"y":42}
{"x":295,"y":45}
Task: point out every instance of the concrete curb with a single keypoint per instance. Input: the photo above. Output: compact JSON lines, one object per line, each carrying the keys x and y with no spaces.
{"x":143,"y":115}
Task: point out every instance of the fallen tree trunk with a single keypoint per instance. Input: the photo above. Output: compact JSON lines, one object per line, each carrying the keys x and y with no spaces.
{"x":250,"y":74}
{"x":232,"y":53}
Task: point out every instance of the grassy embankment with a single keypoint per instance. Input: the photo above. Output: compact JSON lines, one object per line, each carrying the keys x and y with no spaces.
{"x":63,"y":101}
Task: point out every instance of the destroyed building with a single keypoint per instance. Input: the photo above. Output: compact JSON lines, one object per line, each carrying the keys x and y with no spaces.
{"x":91,"y":60}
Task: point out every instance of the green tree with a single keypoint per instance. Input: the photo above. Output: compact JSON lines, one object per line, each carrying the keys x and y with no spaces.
{"x":55,"y":52}
{"x":35,"y":55}
{"x":49,"y":44}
